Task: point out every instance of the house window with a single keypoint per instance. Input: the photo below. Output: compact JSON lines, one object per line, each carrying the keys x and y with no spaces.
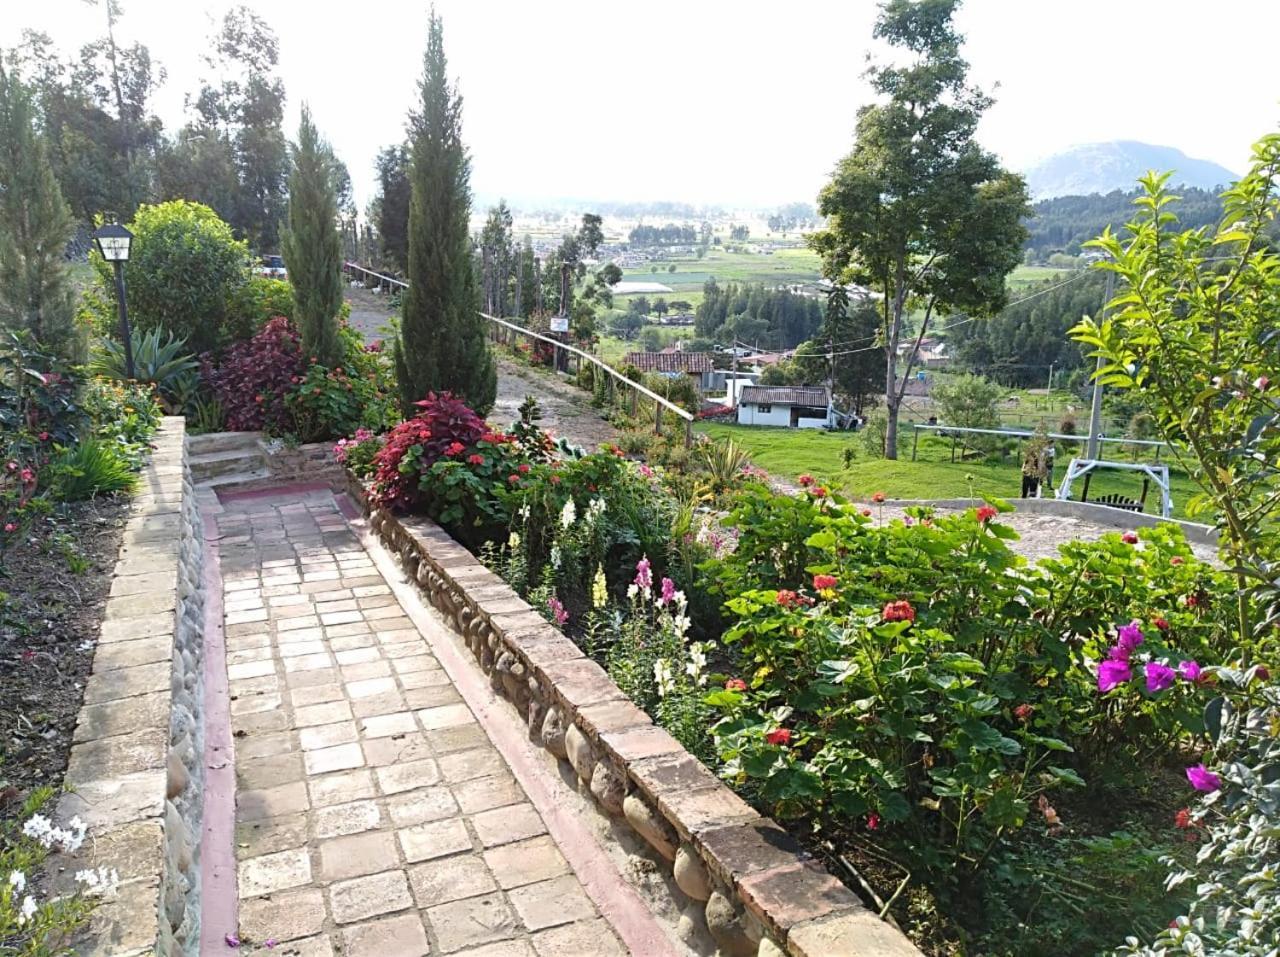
{"x":764,"y":408}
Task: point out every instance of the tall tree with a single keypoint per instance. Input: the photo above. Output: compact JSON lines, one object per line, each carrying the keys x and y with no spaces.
{"x":918,"y":210}
{"x":391,"y":214}
{"x":35,"y":225}
{"x":312,"y":251}
{"x":442,"y":341}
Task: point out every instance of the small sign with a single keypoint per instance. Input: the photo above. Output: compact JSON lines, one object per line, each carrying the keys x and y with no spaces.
{"x":559,"y":323}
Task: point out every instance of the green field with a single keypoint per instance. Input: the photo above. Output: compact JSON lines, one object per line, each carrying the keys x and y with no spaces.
{"x":793,"y":264}
{"x":786,"y":453}
{"x":1025,"y":275}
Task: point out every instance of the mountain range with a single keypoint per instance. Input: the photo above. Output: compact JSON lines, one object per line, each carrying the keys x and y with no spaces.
{"x":1103,"y":167}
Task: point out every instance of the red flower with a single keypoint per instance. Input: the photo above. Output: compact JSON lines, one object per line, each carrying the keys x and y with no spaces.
{"x":986,"y":513}
{"x":823,"y":582}
{"x":1192,"y":601}
{"x":866,"y":511}
{"x":522,"y":469}
{"x":820,"y":492}
{"x":899,"y":611}
{"x":44,"y":436}
{"x":258,"y":399}
{"x":1263,"y":674}
{"x":787,"y":599}
{"x":513,"y":479}
{"x":1161,"y":623}
{"x":779,"y":736}
{"x":1176,"y":560}
{"x":1023,"y":712}
{"x":27,"y":475}
{"x":806,"y":480}
{"x":1129,"y":538}
{"x":735,"y":684}
{"x":455,"y":448}
{"x":873,"y":821}
{"x":1182,"y":818}
{"x":878,"y":498}
{"x":476,"y":459}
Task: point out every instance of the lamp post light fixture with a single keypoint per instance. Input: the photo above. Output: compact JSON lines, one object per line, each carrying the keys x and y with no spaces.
{"x":113,"y":242}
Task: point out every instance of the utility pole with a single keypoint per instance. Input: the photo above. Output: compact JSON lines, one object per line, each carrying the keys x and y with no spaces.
{"x":1095,"y":414}
{"x":1051,"y":365}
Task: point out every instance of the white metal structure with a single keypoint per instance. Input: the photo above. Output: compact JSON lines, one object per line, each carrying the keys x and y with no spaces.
{"x":1159,"y":474}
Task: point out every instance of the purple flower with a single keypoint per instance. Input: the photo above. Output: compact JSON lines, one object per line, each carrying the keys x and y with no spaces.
{"x":232,"y":940}
{"x":668,"y":591}
{"x":1159,"y":676}
{"x":1118,"y":653}
{"x":1129,"y":636}
{"x":1112,"y":673}
{"x":1202,"y":779}
{"x":644,"y":574}
{"x":1189,"y":670}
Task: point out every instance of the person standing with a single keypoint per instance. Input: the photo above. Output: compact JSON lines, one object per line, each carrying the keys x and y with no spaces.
{"x":1035,"y":464}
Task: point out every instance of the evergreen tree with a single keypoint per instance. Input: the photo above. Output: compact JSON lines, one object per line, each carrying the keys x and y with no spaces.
{"x":312,"y":251}
{"x":35,"y":226}
{"x":442,"y":343}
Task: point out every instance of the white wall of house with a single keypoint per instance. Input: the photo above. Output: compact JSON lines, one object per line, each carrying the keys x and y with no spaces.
{"x":749,"y":413}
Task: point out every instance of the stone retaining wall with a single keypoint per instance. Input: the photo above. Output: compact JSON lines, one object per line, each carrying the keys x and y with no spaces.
{"x":136,"y":762}
{"x":758,"y":892}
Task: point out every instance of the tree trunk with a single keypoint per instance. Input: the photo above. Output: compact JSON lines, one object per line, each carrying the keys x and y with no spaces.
{"x":892,"y":401}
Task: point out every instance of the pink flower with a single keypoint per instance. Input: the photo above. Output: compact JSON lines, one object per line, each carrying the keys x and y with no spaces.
{"x":668,"y":591}
{"x":10,"y":527}
{"x":644,"y":574}
{"x":476,"y":459}
{"x":898,"y":611}
{"x":820,"y":492}
{"x":232,"y":940}
{"x":522,"y":468}
{"x":1128,"y":637}
{"x":873,"y":821}
{"x":1182,"y":818}
{"x":455,"y":448}
{"x":806,"y":480}
{"x":12,"y":466}
{"x":1112,"y":674}
{"x":1023,"y":712}
{"x":646,"y":471}
{"x":1159,"y":676}
{"x":44,"y":436}
{"x":1129,"y":538}
{"x":557,"y":610}
{"x":513,"y":479}
{"x":1261,"y":383}
{"x":787,"y":598}
{"x":735,"y":684}
{"x":779,"y":736}
{"x":986,"y":513}
{"x":823,"y":582}
{"x":1202,"y":779}
{"x":1176,"y":560}
{"x":27,"y":475}
{"x":1190,"y":670}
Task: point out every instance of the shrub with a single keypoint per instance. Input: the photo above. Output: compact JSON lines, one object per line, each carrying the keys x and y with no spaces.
{"x":185,"y":267}
{"x":123,"y":413}
{"x":416,"y":444}
{"x":166,"y":365}
{"x":254,"y":378}
{"x":260,"y":299}
{"x":93,"y":467}
{"x":358,"y":452}
{"x":323,"y":403}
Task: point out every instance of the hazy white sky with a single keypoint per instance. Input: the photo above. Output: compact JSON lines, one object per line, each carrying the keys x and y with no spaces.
{"x":735,"y":102}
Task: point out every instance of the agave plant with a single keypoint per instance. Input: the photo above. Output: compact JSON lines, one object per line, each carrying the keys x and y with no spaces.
{"x":164,"y":364}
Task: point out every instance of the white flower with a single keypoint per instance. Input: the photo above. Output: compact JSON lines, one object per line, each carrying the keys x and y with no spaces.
{"x":697,"y":663}
{"x":555,"y":556}
{"x":42,"y":829}
{"x":18,"y":881}
{"x":524,"y":511}
{"x":680,"y":623}
{"x":27,"y":911}
{"x":595,"y":510}
{"x":632,"y":590}
{"x":568,"y":514}
{"x":513,"y":541}
{"x":103,"y":882}
{"x":663,"y":677}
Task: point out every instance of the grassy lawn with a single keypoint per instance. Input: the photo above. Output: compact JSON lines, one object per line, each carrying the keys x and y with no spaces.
{"x":787,"y":453}
{"x":787,"y":265}
{"x":1024,"y":275}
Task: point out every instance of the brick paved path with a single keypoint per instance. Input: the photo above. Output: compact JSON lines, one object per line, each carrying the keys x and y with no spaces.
{"x":373,"y":814}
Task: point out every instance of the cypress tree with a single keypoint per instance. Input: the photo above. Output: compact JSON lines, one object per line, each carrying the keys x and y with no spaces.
{"x":35,"y":225}
{"x":311,"y":247}
{"x":442,"y":343}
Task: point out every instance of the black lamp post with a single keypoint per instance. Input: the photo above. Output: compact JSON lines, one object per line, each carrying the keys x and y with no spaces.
{"x":113,"y":243}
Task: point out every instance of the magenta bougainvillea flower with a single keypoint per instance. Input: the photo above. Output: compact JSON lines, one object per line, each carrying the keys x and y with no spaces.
{"x":1202,"y":779}
{"x":1129,"y":636}
{"x":1112,"y":673}
{"x":1190,"y":670}
{"x":1159,"y":676}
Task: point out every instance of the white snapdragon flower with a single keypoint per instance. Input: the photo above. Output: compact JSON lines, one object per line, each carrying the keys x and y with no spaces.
{"x":680,"y":622}
{"x":696,"y":666}
{"x":632,"y":590}
{"x":664,"y":677}
{"x":595,"y":510}
{"x":513,"y":541}
{"x":555,"y":556}
{"x":568,"y":514}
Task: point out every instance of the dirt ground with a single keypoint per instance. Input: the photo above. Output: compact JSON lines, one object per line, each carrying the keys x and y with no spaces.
{"x":566,"y":411}
{"x":50,"y":614}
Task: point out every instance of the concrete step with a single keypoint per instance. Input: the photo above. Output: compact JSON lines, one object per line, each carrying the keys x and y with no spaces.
{"x":222,"y":442}
{"x":210,"y":465}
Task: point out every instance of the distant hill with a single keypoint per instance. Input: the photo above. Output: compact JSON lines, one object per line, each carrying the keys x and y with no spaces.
{"x":1105,"y":167}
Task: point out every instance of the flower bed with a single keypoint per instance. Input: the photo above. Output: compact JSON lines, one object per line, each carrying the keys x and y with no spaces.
{"x":935,"y":717}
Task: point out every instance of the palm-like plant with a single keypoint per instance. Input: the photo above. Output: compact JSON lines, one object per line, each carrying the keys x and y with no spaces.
{"x":723,"y":463}
{"x":166,"y":365}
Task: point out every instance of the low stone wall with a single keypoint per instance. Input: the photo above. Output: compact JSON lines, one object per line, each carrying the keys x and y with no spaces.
{"x":136,"y":762}
{"x":758,"y":892}
{"x":310,"y":462}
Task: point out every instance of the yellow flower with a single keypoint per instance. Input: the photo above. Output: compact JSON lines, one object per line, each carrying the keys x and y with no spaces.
{"x":599,"y":588}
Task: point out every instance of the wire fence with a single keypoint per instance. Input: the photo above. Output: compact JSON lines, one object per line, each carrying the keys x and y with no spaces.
{"x":961,"y":443}
{"x":565,"y":357}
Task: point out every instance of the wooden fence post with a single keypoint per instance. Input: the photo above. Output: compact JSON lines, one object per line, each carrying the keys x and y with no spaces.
{"x":657,"y":418}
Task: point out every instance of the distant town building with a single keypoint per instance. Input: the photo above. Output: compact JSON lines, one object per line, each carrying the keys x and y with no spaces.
{"x":805,"y":407}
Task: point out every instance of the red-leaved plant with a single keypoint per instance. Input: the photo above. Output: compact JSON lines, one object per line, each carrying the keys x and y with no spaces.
{"x":254,"y":377}
{"x":416,"y":444}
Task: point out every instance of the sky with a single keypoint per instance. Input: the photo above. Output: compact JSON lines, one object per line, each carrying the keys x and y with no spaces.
{"x":739,"y":103}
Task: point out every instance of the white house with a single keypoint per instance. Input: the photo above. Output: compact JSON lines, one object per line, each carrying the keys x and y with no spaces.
{"x":807,"y":407}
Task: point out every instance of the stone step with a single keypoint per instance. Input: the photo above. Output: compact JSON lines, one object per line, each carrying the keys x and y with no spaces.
{"x":209,"y":465}
{"x":236,"y":481}
{"x":222,"y":442}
